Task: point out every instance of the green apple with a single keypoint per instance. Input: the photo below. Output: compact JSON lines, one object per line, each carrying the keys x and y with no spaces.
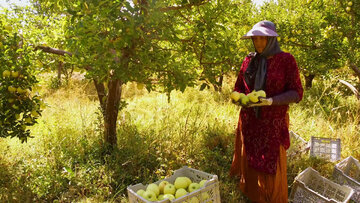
{"x":253,"y":97}
{"x":188,"y":180}
{"x":244,"y":100}
{"x":350,"y":3}
{"x":235,"y":96}
{"x":141,"y":192}
{"x":180,"y":192}
{"x":14,"y":74}
{"x":181,"y":182}
{"x":20,"y":90}
{"x":169,"y":196}
{"x":6,"y":73}
{"x":34,"y":113}
{"x":169,"y":189}
{"x":205,"y":196}
{"x":261,"y":93}
{"x":161,"y":197}
{"x":194,"y":200}
{"x":150,"y":195}
{"x":12,"y":89}
{"x":28,"y":120}
{"x":348,"y":9}
{"x":154,"y":188}
{"x":202,"y":183}
{"x":193,"y":187}
{"x":162,"y":185}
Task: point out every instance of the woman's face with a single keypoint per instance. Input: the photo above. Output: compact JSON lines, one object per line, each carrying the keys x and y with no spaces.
{"x":259,"y":43}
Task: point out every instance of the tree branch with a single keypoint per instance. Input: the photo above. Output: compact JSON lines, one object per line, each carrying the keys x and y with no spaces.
{"x":53,"y":50}
{"x":351,"y":87}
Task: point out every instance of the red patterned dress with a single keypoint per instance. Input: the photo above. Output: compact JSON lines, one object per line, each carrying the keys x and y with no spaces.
{"x":261,"y":141}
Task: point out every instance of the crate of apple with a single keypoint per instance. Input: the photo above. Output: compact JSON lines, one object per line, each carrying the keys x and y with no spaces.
{"x":187,"y":185}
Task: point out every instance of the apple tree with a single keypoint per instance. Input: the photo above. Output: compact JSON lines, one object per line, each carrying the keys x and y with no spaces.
{"x":19,"y":105}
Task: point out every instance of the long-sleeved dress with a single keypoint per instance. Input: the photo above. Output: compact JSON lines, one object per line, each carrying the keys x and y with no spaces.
{"x":261,"y":143}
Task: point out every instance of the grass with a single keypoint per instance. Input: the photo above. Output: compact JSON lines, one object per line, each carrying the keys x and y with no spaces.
{"x":66,"y":160}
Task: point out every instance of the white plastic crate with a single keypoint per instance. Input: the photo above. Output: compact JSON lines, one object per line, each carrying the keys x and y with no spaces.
{"x":310,"y":187}
{"x":347,"y":172}
{"x":211,"y":187}
{"x":297,"y":145}
{"x":328,"y":148}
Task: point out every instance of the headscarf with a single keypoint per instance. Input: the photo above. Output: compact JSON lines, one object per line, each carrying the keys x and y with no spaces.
{"x":255,"y":74}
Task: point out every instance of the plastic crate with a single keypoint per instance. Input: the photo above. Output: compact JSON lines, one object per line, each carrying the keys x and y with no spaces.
{"x":310,"y":186}
{"x":347,"y":172}
{"x":328,"y":148}
{"x":297,"y":145}
{"x":211,"y":187}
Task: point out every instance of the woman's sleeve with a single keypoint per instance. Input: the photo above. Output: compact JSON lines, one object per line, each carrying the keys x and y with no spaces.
{"x":240,"y":81}
{"x":293,"y":81}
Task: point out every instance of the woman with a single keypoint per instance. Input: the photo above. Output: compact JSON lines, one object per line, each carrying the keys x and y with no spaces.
{"x":262,"y":136}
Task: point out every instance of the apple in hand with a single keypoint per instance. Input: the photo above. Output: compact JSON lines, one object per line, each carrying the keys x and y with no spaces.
{"x":169,"y":196}
{"x":180,"y":192}
{"x":150,"y":195}
{"x":235,"y":96}
{"x":181,"y":182}
{"x":193,"y":187}
{"x":153,"y":187}
{"x":244,"y":100}
{"x":253,"y":96}
{"x":162,"y":185}
{"x":261,"y":93}
{"x":169,"y":189}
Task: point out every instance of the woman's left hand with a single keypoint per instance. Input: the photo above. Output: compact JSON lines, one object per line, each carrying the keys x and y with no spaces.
{"x":262,"y":102}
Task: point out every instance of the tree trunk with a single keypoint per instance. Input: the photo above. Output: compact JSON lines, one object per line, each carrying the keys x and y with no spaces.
{"x":355,"y":69}
{"x":111,"y":112}
{"x":308,"y":81}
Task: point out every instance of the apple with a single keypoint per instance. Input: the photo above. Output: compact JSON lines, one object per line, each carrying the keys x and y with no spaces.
{"x":194,"y":200}
{"x":193,"y":187}
{"x":205,"y":196}
{"x":6,"y":73}
{"x":15,"y":74}
{"x":154,"y":188}
{"x":188,"y":180}
{"x":261,"y":93}
{"x":180,"y":192}
{"x":202,"y":183}
{"x":169,"y":189}
{"x":244,"y":100}
{"x":162,"y":185}
{"x":20,"y":90}
{"x":11,"y":89}
{"x":169,"y":196}
{"x":34,"y":113}
{"x":141,"y":192}
{"x":348,"y":9}
{"x":235,"y":96}
{"x":150,"y":195}
{"x":161,"y":197}
{"x":253,"y":97}
{"x":350,"y":3}
{"x":181,"y":182}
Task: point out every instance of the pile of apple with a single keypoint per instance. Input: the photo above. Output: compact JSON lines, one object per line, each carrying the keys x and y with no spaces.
{"x":166,"y":190}
{"x":245,"y":100}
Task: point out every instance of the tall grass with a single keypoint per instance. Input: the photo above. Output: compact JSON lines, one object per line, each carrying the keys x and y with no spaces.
{"x":66,"y":160}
